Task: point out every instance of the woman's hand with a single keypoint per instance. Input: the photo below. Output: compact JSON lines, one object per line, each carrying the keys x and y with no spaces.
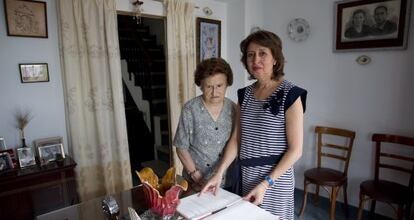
{"x":198,"y":180}
{"x":212,"y":184}
{"x":256,"y":195}
{"x":197,"y":177}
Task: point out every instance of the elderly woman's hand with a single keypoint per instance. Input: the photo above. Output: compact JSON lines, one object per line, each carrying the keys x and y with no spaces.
{"x":212,"y":184}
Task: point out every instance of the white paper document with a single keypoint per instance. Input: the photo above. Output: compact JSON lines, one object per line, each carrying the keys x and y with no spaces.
{"x":225,"y":205}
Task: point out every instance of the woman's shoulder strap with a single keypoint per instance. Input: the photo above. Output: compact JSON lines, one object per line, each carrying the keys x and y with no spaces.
{"x":240,"y":95}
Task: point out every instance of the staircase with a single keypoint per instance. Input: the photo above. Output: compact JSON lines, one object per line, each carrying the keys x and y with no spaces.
{"x":144,"y":75}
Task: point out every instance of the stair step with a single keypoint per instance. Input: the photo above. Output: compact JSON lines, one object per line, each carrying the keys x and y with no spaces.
{"x":159,"y":86}
{"x":158,"y":101}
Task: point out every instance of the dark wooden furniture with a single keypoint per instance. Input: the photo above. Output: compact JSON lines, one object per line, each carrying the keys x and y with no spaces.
{"x":26,"y":193}
{"x":392,"y":154}
{"x":325,"y":175}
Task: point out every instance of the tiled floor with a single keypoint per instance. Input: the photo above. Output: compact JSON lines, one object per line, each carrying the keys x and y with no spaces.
{"x":321,"y":212}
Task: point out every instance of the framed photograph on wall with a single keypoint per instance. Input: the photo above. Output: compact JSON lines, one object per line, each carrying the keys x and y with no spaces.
{"x":26,"y":157}
{"x":371,"y":24}
{"x":48,"y":153}
{"x":34,"y":72}
{"x":26,"y":18}
{"x":208,"y":38}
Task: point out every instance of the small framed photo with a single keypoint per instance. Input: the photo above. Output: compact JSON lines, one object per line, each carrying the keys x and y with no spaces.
{"x":208,"y":38}
{"x":48,"y":141}
{"x":48,"y":153}
{"x":371,"y":24}
{"x":12,"y":156}
{"x":5,"y":161}
{"x":26,"y":157}
{"x":34,"y":72}
{"x":26,"y":18}
{"x":2,"y":144}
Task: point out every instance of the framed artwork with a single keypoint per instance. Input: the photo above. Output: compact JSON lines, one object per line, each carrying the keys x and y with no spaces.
{"x":12,"y":155}
{"x":5,"y":161}
{"x":2,"y":144}
{"x":48,"y":153}
{"x":26,"y":18}
{"x":34,"y":72}
{"x":208,"y":38}
{"x":26,"y":157}
{"x":48,"y":141}
{"x":371,"y":24}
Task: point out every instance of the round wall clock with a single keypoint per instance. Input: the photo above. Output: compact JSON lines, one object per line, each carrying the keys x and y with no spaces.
{"x":298,"y":29}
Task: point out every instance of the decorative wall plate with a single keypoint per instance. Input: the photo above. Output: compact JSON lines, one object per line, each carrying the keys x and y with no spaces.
{"x":298,"y":29}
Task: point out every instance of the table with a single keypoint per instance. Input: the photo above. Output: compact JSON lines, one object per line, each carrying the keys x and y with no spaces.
{"x":92,"y":209}
{"x":26,"y":193}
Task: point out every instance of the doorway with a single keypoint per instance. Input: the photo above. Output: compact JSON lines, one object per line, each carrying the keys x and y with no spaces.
{"x":143,"y":61}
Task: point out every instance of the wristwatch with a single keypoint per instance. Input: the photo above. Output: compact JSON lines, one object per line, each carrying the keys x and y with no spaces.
{"x":269,"y":181}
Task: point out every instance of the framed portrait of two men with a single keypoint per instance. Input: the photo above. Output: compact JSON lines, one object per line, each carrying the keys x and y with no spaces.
{"x":371,"y":24}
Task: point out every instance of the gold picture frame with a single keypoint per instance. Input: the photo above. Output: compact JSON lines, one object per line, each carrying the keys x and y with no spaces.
{"x":26,"y":18}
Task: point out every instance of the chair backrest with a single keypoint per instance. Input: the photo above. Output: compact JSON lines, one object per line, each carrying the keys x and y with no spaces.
{"x":398,"y":156}
{"x":341,"y":152}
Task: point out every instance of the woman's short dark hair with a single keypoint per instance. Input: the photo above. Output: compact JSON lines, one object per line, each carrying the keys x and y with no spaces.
{"x":210,"y":67}
{"x":269,"y":40}
{"x":359,"y":11}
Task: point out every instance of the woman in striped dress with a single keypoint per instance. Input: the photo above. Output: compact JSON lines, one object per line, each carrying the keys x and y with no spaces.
{"x":269,"y":128}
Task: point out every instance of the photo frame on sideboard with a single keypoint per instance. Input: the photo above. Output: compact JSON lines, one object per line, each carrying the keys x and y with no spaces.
{"x":48,"y":153}
{"x":26,"y":18}
{"x":208,"y":38}
{"x":371,"y":25}
{"x":26,"y":157}
{"x":5,"y":161}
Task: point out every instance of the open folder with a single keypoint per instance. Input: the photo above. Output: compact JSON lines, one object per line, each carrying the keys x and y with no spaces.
{"x":225,"y":205}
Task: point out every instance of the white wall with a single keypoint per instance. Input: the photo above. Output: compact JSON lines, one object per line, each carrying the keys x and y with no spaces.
{"x":44,"y":100}
{"x":342,"y":93}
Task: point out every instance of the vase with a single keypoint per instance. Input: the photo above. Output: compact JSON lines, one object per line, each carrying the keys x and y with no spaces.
{"x":24,"y":142}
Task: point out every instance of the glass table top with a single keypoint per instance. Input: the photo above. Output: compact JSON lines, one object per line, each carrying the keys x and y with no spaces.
{"x":92,"y":209}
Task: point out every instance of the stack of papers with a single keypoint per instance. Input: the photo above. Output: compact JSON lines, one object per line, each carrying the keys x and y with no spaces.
{"x":225,"y":205}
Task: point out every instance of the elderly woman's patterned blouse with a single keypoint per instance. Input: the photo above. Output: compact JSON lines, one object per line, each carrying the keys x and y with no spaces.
{"x":203,"y":137}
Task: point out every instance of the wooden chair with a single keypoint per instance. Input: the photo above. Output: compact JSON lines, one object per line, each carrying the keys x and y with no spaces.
{"x":328,"y":177}
{"x":392,"y":154}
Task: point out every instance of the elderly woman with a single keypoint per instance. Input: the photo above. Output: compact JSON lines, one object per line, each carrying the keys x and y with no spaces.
{"x":268,"y":128}
{"x":206,"y":122}
{"x":358,"y":27}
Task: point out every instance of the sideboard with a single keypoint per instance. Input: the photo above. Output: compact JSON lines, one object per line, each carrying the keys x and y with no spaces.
{"x":26,"y":193}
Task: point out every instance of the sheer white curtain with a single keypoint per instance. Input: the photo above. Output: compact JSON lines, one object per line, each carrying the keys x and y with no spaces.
{"x":90,"y":61}
{"x":181,"y":60}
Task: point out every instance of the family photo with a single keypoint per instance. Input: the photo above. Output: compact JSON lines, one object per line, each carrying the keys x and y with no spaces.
{"x":374,"y":21}
{"x":371,"y":25}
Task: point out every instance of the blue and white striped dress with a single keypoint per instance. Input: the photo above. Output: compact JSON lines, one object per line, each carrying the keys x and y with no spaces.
{"x":263,"y":133}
